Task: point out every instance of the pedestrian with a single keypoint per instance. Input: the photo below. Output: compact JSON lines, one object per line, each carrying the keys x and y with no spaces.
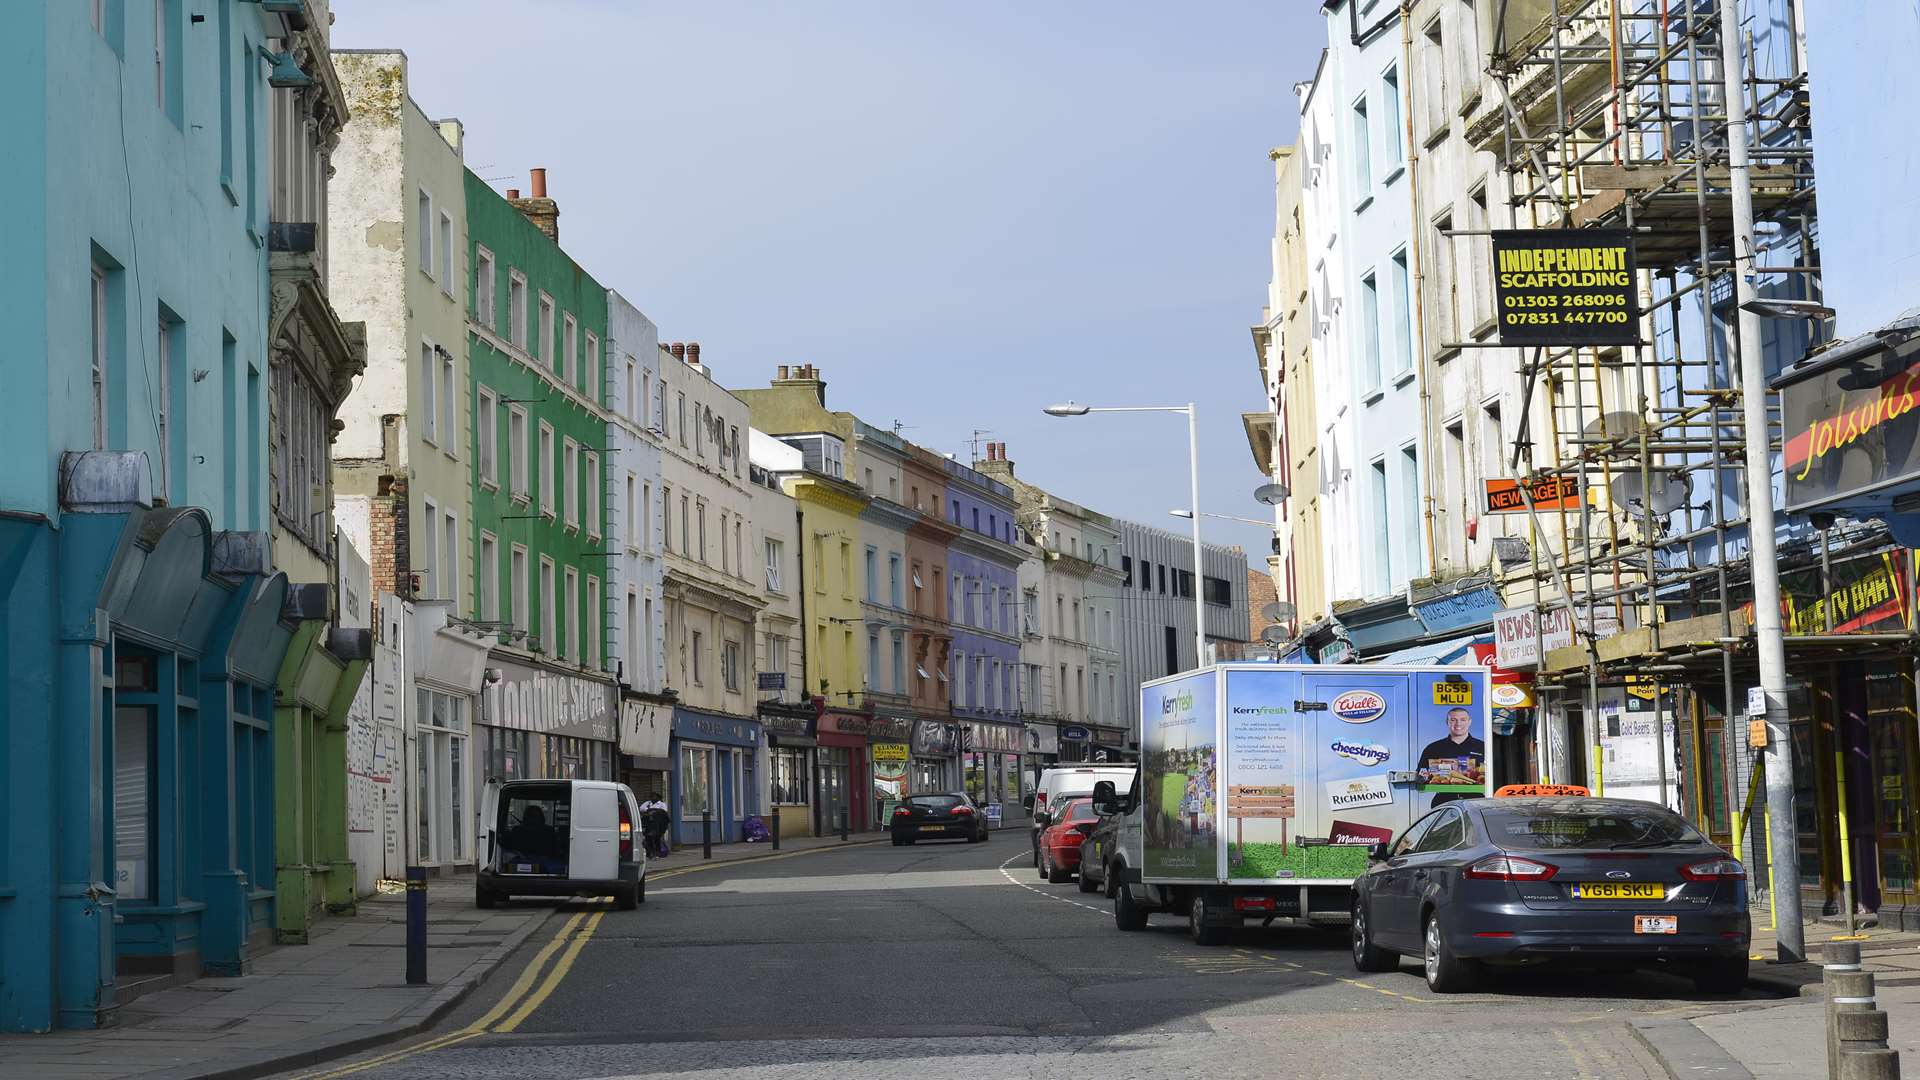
{"x":653,"y":825}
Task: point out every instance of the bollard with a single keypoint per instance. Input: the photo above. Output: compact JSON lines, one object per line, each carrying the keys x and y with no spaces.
{"x":1864,"y":1054}
{"x":776,"y":826}
{"x":706,"y":834}
{"x":416,"y":925}
{"x":843,"y":826}
{"x":1847,"y":992}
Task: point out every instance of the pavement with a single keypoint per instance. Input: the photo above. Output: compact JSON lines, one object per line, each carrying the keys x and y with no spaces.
{"x":342,"y":993}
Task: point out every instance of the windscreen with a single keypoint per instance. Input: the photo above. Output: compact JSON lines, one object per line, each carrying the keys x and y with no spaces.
{"x":1080,"y":810}
{"x":1562,"y":829}
{"x":935,"y":802}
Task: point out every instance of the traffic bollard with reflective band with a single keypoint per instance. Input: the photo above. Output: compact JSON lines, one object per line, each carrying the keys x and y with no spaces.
{"x":416,"y":925}
{"x":1847,"y":992}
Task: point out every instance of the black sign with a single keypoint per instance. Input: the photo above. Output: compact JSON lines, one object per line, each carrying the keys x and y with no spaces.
{"x":1852,"y":427}
{"x":1565,"y":287}
{"x":780,"y":723}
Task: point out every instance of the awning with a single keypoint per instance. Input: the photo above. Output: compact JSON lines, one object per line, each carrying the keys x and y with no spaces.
{"x":1455,"y":650}
{"x":644,"y":732}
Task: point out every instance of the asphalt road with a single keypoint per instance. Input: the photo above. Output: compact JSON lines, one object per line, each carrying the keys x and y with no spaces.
{"x":956,"y":960}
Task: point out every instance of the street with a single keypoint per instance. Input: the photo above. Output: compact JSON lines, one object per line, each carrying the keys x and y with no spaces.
{"x":873,"y":960}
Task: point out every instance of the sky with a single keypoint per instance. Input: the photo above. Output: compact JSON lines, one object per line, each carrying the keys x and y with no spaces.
{"x":961,"y":211}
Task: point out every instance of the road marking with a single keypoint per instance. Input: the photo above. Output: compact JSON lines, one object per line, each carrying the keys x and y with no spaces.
{"x":1042,"y":892}
{"x":1579,"y":1059}
{"x":554,"y":977}
{"x":770,"y":857}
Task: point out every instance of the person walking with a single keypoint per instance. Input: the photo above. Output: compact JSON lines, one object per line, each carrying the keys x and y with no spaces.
{"x":653,"y":825}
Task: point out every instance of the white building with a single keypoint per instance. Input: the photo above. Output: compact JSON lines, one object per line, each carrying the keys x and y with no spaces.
{"x":635,"y":567}
{"x":1156,"y":606}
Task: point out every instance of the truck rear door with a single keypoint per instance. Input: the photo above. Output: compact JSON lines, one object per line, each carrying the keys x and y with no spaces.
{"x":596,"y":825}
{"x":1363,"y":729}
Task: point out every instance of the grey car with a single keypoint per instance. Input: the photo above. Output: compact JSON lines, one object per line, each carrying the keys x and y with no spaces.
{"x":1584,"y":881}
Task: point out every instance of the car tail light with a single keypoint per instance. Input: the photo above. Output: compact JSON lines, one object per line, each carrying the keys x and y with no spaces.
{"x":1721,"y":869}
{"x":626,"y":832}
{"x":962,"y":811}
{"x":1253,"y":903}
{"x":1494,"y":933}
{"x":901,"y":811}
{"x":1510,"y":868}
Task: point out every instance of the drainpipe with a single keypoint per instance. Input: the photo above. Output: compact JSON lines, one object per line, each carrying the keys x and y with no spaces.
{"x":1416,"y":229}
{"x":800,"y":582}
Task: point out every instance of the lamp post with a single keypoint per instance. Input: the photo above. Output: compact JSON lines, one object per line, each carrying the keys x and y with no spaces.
{"x":1193,"y":468}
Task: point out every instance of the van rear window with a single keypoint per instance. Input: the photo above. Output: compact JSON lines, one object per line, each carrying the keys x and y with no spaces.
{"x":534,"y":826}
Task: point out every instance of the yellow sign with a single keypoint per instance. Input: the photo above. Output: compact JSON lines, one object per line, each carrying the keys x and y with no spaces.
{"x":1644,"y":689}
{"x":1453,"y":693}
{"x":1756,"y":733}
{"x":890,"y":751}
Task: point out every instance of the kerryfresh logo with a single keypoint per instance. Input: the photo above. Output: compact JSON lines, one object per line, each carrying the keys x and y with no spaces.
{"x":1181,"y":702}
{"x":1261,"y":710}
{"x":1359,"y":706}
{"x":1368,"y":754}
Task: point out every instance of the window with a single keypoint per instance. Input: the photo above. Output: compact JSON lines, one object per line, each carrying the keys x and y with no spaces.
{"x":1479,"y":258}
{"x":893,"y":579}
{"x":846,"y":569}
{"x":730,"y":666}
{"x":569,"y":349}
{"x":593,"y":494}
{"x":591,"y":373}
{"x":1455,"y":497}
{"x":544,"y":348}
{"x":1390,"y":117}
{"x":775,"y":559}
{"x":631,"y":405}
{"x":635,"y":631}
{"x":787,"y":781}
{"x":430,"y":552}
{"x":517,"y":309}
{"x":570,"y":462}
{"x":703,"y":532}
{"x":699,"y":650}
{"x":423,"y":222}
{"x":449,"y":428}
{"x":918,"y":587}
{"x":726,"y":562}
{"x":1030,"y":612}
{"x":1218,"y":591}
{"x":1466,"y":42}
{"x":99,"y":349}
{"x":1444,"y":303}
{"x":899,"y":662}
{"x":488,"y":597}
{"x":680,"y":420}
{"x":1382,"y":531}
{"x":739,"y":551}
{"x":1163,"y":579}
{"x":163,"y":339}
{"x":1493,"y":450}
{"x":517,"y":575}
{"x":873,"y":657}
{"x":632,"y":525}
{"x":1433,"y":81}
{"x":547,"y":476}
{"x":696,"y":782}
{"x":1370,"y":328}
{"x":685,"y":548}
{"x":429,"y":390}
{"x":448,"y":587}
{"x":517,"y":449}
{"x":1402,"y":313}
{"x":666,"y":517}
{"x":486,"y":437}
{"x":960,"y":687}
{"x":483,"y":288}
{"x":446,"y":253}
{"x":548,"y":641}
{"x":660,"y":405}
{"x":1362,"y":152}
{"x":570,"y":637}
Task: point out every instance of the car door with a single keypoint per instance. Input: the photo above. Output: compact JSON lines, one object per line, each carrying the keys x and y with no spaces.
{"x":1388,"y":894}
{"x":594,"y":852}
{"x":1427,"y":867}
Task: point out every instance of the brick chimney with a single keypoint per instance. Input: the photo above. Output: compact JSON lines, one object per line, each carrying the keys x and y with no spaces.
{"x":679,"y":351}
{"x":693,"y":353}
{"x":802,"y":377}
{"x":996,"y":464}
{"x":542,"y":211}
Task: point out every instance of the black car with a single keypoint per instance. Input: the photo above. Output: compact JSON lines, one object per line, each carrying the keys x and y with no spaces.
{"x":950,"y":816}
{"x":1096,"y":855}
{"x":1511,"y":881}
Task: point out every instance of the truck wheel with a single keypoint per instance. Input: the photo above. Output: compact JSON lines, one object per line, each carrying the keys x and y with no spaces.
{"x":1204,"y":934}
{"x":1366,"y":955}
{"x":1087,"y":884}
{"x":1128,"y":915}
{"x":1446,"y":973}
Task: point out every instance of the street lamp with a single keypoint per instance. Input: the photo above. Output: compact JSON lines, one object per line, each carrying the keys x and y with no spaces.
{"x":1223,"y":517}
{"x":1072,"y":408}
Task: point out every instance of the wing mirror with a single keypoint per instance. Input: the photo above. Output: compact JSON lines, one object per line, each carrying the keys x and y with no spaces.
{"x":1105,"y":799}
{"x":1041,"y":817}
{"x":1377,"y":851}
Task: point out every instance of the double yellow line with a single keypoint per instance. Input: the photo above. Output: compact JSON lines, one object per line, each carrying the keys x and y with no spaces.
{"x":528,"y":993}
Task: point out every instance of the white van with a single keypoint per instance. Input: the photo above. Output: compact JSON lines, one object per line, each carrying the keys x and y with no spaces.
{"x":561,"y":838}
{"x":1063,"y":782}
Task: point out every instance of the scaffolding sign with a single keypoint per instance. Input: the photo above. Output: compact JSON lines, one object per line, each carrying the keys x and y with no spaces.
{"x":1565,"y":287}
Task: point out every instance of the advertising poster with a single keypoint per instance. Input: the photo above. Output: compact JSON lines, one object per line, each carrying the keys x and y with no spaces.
{"x":1321,"y":765}
{"x":1566,"y":287}
{"x":1179,"y":759}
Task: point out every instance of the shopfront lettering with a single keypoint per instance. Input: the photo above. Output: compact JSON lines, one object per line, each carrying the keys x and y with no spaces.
{"x":549,"y":703}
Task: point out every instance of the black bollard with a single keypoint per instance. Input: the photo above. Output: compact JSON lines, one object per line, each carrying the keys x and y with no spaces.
{"x":416,"y":925}
{"x":843,"y":826}
{"x":776,"y":826}
{"x":706,"y":834}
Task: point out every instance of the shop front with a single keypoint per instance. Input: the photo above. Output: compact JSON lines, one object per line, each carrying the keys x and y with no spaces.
{"x":1043,"y":748}
{"x":445,"y":665}
{"x":544,"y":723}
{"x":715,"y":779}
{"x":803,"y":800}
{"x":991,"y":760}
{"x":935,"y":766}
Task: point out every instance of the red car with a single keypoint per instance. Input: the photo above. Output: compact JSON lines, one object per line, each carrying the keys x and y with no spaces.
{"x":1060,"y":841}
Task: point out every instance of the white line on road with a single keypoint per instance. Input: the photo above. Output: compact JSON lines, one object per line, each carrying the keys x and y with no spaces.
{"x":1043,"y":892}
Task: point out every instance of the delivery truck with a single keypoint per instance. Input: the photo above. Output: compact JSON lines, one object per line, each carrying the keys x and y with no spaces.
{"x":1263,"y":787}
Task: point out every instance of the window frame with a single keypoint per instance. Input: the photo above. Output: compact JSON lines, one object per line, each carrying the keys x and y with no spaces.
{"x":486,"y":311}
{"x":486,"y":434}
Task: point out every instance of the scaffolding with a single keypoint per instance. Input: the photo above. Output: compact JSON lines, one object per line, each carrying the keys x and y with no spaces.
{"x":1612,"y":113}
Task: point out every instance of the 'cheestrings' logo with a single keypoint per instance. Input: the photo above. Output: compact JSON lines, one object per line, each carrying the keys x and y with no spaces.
{"x":1368,"y":754}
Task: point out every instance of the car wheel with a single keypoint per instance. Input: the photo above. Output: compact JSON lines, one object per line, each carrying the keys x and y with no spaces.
{"x":485,"y":898}
{"x":1722,"y":976}
{"x":1446,"y":973}
{"x":1128,"y":915}
{"x":1366,"y":955}
{"x":1036,"y":850}
{"x":1203,"y":934}
{"x":897,"y":841}
{"x":1087,"y":884}
{"x":1056,"y":873}
{"x":1043,"y":868}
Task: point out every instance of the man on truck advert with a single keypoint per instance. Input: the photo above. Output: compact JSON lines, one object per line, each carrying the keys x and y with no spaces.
{"x":1460,"y":758}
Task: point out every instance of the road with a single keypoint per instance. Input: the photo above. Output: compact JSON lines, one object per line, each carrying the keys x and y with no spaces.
{"x":956,"y":960}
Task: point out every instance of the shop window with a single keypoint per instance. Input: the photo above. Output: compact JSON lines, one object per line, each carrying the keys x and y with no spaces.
{"x":787,"y":785}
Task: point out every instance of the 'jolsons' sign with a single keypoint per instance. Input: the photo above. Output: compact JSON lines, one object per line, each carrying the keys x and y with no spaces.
{"x":1565,"y":287}
{"x":1852,"y":428}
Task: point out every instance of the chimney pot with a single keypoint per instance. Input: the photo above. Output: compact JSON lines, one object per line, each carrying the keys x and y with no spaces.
{"x":783,"y":373}
{"x":693,"y":352}
{"x":539,"y":177}
{"x":513,"y":193}
{"x":679,"y":350}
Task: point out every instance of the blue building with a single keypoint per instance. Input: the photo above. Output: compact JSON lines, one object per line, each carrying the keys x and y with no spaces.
{"x":983,"y":574}
{"x":141,"y":627}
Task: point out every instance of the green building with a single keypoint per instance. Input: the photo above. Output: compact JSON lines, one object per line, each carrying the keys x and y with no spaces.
{"x":535,"y":329}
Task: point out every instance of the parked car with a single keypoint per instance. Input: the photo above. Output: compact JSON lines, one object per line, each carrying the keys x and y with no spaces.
{"x":1097,"y":861}
{"x":1510,"y":881}
{"x":950,"y":816}
{"x":561,"y":838}
{"x":1069,"y":782}
{"x":1060,"y":841}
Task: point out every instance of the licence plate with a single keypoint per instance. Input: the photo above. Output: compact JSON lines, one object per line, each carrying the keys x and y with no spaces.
{"x":1656,"y":924}
{"x":1620,"y":890}
{"x":523,"y":868}
{"x":933,"y":828}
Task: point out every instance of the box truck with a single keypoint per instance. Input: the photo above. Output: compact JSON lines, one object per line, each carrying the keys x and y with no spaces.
{"x":1264,"y":787}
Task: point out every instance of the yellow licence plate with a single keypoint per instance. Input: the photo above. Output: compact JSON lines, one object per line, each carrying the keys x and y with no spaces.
{"x":933,"y":828}
{"x":1620,"y":890}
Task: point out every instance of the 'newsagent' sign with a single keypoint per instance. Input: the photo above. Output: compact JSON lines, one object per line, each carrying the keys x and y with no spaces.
{"x":1565,"y":287}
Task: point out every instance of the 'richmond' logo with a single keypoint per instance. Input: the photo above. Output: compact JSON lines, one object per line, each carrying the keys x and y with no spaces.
{"x":1359,"y":706}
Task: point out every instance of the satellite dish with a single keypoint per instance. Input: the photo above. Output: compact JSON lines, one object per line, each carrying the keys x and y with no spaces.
{"x":1275,"y":634}
{"x":1278,"y":611}
{"x":1271,"y":494}
{"x":1670,"y":492}
{"x":1614,"y":425}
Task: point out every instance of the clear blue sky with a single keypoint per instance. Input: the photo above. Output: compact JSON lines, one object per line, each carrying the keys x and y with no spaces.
{"x":959,"y":211}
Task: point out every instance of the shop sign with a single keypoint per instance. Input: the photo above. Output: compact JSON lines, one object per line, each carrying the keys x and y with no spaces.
{"x":781,"y":723}
{"x":549,"y":703}
{"x":1565,"y":287}
{"x":1852,"y":428}
{"x":1547,"y":493}
{"x":1462,"y":609}
{"x":894,"y":752}
{"x":895,"y":728}
{"x":1075,"y":733}
{"x":1337,"y":651}
{"x":645,"y":729}
{"x":1001,"y":738}
{"x":771,"y":680}
{"x":935,"y":737}
{"x":1043,"y":739}
{"x":1511,"y":695}
{"x":1868,"y":595}
{"x":1516,"y":638}
{"x":707,"y":727}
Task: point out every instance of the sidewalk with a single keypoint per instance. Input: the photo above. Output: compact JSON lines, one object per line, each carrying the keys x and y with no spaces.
{"x":1787,"y":1041}
{"x":343,"y":992}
